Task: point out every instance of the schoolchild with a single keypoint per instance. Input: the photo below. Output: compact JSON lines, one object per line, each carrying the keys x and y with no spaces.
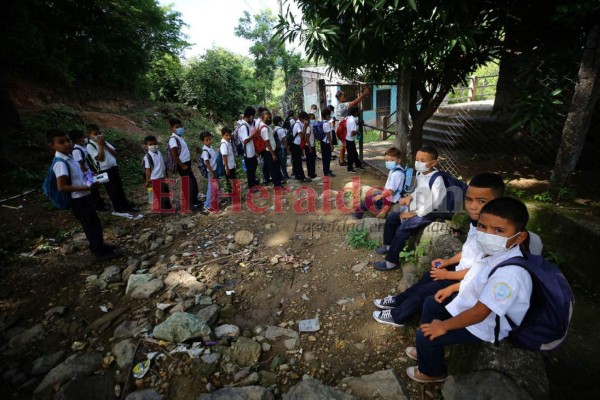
{"x":227,"y":152}
{"x":310,"y":149}
{"x":471,"y":315}
{"x":247,"y":133}
{"x":154,"y":166}
{"x":299,"y":130}
{"x":266,"y":172}
{"x":209,"y":158}
{"x":352,"y":132}
{"x":327,"y":142}
{"x":380,"y":202}
{"x":283,"y":151}
{"x":80,"y":155}
{"x":180,"y":154}
{"x":269,"y":155}
{"x":342,"y":112}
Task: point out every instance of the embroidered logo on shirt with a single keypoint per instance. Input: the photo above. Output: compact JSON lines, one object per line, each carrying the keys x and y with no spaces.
{"x":502,"y":291}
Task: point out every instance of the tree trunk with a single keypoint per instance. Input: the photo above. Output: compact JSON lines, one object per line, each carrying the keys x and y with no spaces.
{"x":587,"y":91}
{"x":402,"y":107}
{"x":421,"y":116}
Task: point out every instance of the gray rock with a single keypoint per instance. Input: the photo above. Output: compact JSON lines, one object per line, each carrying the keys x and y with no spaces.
{"x":146,"y":290}
{"x":374,"y":228}
{"x":267,"y":378}
{"x":128,"y":271}
{"x":45,"y":363}
{"x":209,"y":314}
{"x":27,"y":336}
{"x":243,"y":238}
{"x":185,"y":281}
{"x":211,"y":358}
{"x":129,"y":329}
{"x":146,"y":394}
{"x":482,"y":385}
{"x":380,"y":385}
{"x":409,"y":277}
{"x":444,"y":246}
{"x":245,"y":352}
{"x":239,"y":393}
{"x":97,"y":387}
{"x":180,"y":327}
{"x":312,"y":389}
{"x":59,"y":310}
{"x":111,"y":274}
{"x":435,"y":230}
{"x":146,"y":237}
{"x":250,"y":380}
{"x":275,"y":332}
{"x":77,"y":365}
{"x":93,"y":281}
{"x":136,"y":280}
{"x":124,"y":351}
{"x":227,"y":330}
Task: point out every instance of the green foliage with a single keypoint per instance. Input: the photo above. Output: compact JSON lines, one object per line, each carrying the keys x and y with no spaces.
{"x":544,"y":197}
{"x":554,"y":258}
{"x":566,"y":194}
{"x":164,"y":78}
{"x":514,"y":192}
{"x":412,"y":256}
{"x":358,"y":238}
{"x":535,"y":111}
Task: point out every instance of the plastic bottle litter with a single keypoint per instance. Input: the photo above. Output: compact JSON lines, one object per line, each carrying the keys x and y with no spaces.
{"x":437,"y":264}
{"x":141,"y":369}
{"x":150,"y":195}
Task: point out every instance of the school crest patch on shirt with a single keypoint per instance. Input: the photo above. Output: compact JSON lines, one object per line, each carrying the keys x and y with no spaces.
{"x":502,"y":291}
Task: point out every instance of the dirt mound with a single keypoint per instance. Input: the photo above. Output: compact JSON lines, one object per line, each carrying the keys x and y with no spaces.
{"x":110,"y":120}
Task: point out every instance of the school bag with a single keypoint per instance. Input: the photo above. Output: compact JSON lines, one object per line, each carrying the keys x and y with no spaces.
{"x":454,"y":187}
{"x":92,"y":164}
{"x":150,"y":162}
{"x":60,"y":200}
{"x":546,"y":322}
{"x":409,"y":185}
{"x":260,"y":144}
{"x":342,"y":131}
{"x":236,"y":141}
{"x":170,"y":163}
{"x":219,"y":171}
{"x":319,"y":132}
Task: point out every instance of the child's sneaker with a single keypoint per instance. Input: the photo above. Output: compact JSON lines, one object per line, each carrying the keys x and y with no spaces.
{"x":387,"y":303}
{"x":417,"y":376}
{"x":411,"y":352}
{"x":385,"y":317}
{"x":382,"y":251}
{"x":360,"y":169}
{"x":122,"y":214}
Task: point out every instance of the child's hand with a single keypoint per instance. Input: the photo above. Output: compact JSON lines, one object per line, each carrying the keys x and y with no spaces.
{"x":434,"y":329}
{"x":443,"y":263}
{"x":438,"y":274}
{"x":227,"y":172}
{"x":377,"y":198}
{"x":443,"y":294}
{"x":407,"y":215}
{"x":274,"y":156}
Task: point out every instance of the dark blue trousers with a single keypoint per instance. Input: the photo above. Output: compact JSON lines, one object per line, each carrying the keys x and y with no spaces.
{"x":396,"y":233}
{"x":326,"y":154}
{"x":273,"y":168}
{"x":430,"y":353}
{"x":411,"y":300}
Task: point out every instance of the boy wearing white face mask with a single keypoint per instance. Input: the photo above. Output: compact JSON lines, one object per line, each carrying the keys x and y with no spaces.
{"x":379,"y":202}
{"x":154,"y":165}
{"x":427,"y":197}
{"x":484,"y":301}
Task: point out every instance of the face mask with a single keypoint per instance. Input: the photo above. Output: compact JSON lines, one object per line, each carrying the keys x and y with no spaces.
{"x":268,"y":121}
{"x":312,"y":122}
{"x":179,"y":131}
{"x":390,"y":165}
{"x":421,"y":166}
{"x":492,"y":244}
{"x":153,"y":148}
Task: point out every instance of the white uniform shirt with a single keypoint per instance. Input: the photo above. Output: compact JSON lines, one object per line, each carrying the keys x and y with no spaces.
{"x":395,"y":183}
{"x":184,"y":154}
{"x":280,"y":132}
{"x":158,"y":172}
{"x":245,"y":131}
{"x":74,"y":171}
{"x":79,"y":153}
{"x":267,"y":134}
{"x":424,"y":200}
{"x":310,"y":136}
{"x":506,"y":293}
{"x":470,"y":250}
{"x":109,"y":160}
{"x":296,"y":131}
{"x":351,"y":126}
{"x":226,"y":149}
{"x":209,"y":154}
{"x":327,"y":128}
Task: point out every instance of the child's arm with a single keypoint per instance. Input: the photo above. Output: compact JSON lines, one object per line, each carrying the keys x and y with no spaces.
{"x":443,"y":263}
{"x":473,"y":315}
{"x":209,"y":168}
{"x":176,"y":158}
{"x":225,"y":164}
{"x":63,"y":185}
{"x":148,"y":174}
{"x":439,"y":274}
{"x":446,"y":292}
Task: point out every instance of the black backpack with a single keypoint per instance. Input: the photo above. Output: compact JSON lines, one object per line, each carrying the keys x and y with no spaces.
{"x":455,"y":195}
{"x":150,"y":161}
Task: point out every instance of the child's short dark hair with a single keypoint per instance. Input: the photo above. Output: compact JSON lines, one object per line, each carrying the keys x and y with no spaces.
{"x":489,"y":180}
{"x":53,"y":133}
{"x":225,"y":130}
{"x":261,"y":109}
{"x":302,"y":115}
{"x":430,"y":150}
{"x":174,"y":121}
{"x":76,"y":134}
{"x":150,"y":138}
{"x":277,"y":119}
{"x":92,"y":127}
{"x":513,"y":210}
{"x":394,"y":152}
{"x":353,"y":110}
{"x":325,"y":113}
{"x":205,"y":134}
{"x":249,"y":112}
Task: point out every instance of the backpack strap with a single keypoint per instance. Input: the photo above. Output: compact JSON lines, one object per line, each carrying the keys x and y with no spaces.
{"x":150,"y":161}
{"x":434,"y":177}
{"x":399,"y":190}
{"x":58,"y":159}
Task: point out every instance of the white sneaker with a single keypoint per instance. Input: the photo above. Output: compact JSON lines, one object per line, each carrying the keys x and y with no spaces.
{"x":316,"y":178}
{"x":136,"y":217}
{"x":123,"y":214}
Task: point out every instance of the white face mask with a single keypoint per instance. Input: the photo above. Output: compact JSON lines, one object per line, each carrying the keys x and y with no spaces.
{"x":153,"y":148}
{"x":492,"y":244}
{"x":421,"y":166}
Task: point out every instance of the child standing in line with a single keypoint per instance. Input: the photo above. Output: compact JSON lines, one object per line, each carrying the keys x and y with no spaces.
{"x":80,"y":155}
{"x":299,"y":130}
{"x":354,"y":163}
{"x":392,"y":190}
{"x":327,"y":142}
{"x":155,"y":168}
{"x":269,"y":156}
{"x":69,"y":178}
{"x":180,"y":154}
{"x":284,"y":149}
{"x":311,"y":150}
{"x":209,"y":157}
{"x":226,"y":149}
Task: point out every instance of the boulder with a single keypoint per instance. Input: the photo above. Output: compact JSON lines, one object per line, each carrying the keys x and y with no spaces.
{"x":275,"y":332}
{"x":482,"y":385}
{"x":45,"y":363}
{"x":136,"y":280}
{"x":379,"y":385}
{"x":186,"y":281}
{"x":27,"y":336}
{"x":129,"y":329}
{"x":77,"y":365}
{"x":146,"y":394}
{"x":312,"y":389}
{"x":208,"y":314}
{"x":525,"y":368}
{"x":227,"y":330}
{"x":241,"y":393}
{"x":180,"y":327}
{"x":111,"y":274}
{"x":124,"y":351}
{"x":146,"y":290}
{"x":374,"y":228}
{"x":97,"y":387}
{"x":245,"y":352}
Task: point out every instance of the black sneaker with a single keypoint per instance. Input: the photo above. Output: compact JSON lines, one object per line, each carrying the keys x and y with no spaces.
{"x":306,"y":180}
{"x":387,"y":303}
{"x":330,"y":174}
{"x":385,"y":317}
{"x":360,"y":169}
{"x":351,"y":171}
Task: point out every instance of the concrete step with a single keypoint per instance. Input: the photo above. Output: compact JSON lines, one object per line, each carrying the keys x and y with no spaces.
{"x":433,"y":130}
{"x":433,"y":139}
{"x":444,"y":123}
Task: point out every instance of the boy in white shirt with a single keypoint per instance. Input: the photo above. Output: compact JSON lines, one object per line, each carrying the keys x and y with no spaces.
{"x":80,"y":155}
{"x":209,"y":158}
{"x":299,"y":130}
{"x":154,"y":165}
{"x":247,"y":133}
{"x":227,"y":152}
{"x":354,"y":163}
{"x":327,"y":142}
{"x":342,"y":112}
{"x":283,"y":150}
{"x":69,"y":178}
{"x":427,"y":197}
{"x":392,"y":190}
{"x":472,"y":315}
{"x":310,"y":149}
{"x":180,"y":154}
{"x":269,"y":156}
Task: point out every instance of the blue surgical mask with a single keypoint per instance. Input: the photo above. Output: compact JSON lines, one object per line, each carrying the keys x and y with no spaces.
{"x":179,"y":131}
{"x":492,"y":244}
{"x":390,"y":165}
{"x":312,"y":122}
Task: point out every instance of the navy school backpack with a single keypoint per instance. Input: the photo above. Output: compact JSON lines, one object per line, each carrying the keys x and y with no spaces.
{"x":319,"y":132}
{"x":150,"y":162}
{"x":219,"y":171}
{"x":451,"y":203}
{"x":60,"y":200}
{"x":546,"y":322}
